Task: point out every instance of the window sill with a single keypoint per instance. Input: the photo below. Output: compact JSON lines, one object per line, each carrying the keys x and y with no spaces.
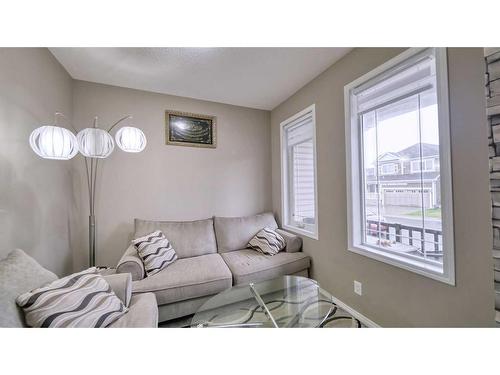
{"x":301,"y":231}
{"x":413,"y":265}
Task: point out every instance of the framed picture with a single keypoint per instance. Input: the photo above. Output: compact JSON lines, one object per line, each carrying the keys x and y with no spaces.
{"x":190,"y":129}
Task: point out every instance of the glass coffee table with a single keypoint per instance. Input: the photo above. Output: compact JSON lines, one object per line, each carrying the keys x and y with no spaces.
{"x":288,"y":301}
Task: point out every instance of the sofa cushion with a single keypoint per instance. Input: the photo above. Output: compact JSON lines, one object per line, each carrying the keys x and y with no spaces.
{"x":188,"y":238}
{"x":142,"y":313}
{"x":250,"y":266}
{"x":187,"y":278}
{"x":19,"y":273}
{"x":267,"y":241}
{"x":155,"y":251}
{"x":234,"y":233}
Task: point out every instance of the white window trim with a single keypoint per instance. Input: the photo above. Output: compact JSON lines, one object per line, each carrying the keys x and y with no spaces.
{"x":314,"y":233}
{"x":354,"y":204}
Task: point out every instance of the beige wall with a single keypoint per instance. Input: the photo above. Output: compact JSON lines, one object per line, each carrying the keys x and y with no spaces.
{"x":393,"y":296}
{"x":169,"y":182}
{"x":35,"y":194}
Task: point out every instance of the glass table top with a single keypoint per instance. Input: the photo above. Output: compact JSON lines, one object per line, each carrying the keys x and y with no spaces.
{"x":288,"y":301}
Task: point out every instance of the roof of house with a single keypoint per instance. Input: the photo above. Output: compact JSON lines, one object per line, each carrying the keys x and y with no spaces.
{"x":413,"y":151}
{"x":405,"y":177}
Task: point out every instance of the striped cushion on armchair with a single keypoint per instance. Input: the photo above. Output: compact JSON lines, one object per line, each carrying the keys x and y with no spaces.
{"x":83,"y":299}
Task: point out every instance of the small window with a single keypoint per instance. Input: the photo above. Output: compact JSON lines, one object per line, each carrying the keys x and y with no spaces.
{"x":402,"y":214}
{"x":388,"y":168}
{"x":428,"y":165}
{"x":298,"y":165}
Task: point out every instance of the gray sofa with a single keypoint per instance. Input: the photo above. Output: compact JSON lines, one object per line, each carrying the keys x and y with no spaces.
{"x":212,"y":256}
{"x":20,"y":273}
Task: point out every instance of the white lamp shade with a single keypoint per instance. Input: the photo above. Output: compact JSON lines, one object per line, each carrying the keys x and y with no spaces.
{"x":95,"y":143}
{"x":54,"y":142}
{"x":130,"y":139}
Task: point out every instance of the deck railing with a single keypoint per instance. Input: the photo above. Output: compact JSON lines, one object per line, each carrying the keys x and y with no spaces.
{"x":384,"y":228}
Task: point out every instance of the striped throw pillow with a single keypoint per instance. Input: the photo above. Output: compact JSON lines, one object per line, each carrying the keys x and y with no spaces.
{"x":267,"y":241}
{"x":155,"y":251}
{"x":83,"y":299}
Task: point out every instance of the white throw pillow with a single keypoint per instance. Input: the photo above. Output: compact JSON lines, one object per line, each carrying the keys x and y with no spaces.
{"x":83,"y":299}
{"x":155,"y":251}
{"x":267,"y":241}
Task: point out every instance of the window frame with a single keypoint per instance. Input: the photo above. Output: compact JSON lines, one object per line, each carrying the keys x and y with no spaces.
{"x":313,"y":232}
{"x":355,"y":191}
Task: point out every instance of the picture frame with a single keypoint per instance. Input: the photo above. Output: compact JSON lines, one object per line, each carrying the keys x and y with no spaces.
{"x":190,"y":129}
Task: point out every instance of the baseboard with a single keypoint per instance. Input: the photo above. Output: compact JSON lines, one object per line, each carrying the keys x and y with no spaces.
{"x":363,"y":319}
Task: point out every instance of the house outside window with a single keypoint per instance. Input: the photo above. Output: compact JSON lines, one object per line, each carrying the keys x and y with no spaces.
{"x":298,"y":178}
{"x":398,"y":164}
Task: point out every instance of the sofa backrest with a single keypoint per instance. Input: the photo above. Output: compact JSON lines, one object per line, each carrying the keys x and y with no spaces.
{"x":233,"y":233}
{"x":188,"y":238}
{"x":19,"y":273}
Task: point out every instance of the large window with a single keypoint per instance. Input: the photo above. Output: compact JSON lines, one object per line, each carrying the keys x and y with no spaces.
{"x":401,"y":213}
{"x":298,"y":165}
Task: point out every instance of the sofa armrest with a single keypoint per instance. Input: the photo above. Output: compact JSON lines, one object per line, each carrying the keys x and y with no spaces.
{"x":293,"y":242}
{"x":131,"y":263}
{"x":121,"y":283}
{"x":142,"y":313}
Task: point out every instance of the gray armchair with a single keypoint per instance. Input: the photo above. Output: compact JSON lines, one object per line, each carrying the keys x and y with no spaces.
{"x":20,"y":273}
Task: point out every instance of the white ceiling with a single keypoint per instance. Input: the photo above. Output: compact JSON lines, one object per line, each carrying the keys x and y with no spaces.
{"x":250,"y":77}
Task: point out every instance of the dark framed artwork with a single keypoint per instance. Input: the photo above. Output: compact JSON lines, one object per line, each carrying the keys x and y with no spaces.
{"x":190,"y":129}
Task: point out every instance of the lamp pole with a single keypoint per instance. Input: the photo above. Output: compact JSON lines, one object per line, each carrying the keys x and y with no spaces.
{"x":91,"y":170}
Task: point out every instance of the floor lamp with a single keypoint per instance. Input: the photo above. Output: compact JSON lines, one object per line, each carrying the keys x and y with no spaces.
{"x":58,"y":143}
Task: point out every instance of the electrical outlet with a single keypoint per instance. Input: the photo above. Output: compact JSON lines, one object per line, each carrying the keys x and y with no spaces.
{"x":358,"y":288}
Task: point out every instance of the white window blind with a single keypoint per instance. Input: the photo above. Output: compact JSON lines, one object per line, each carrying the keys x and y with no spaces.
{"x":414,"y":77}
{"x":299,"y":181}
{"x":303,"y":182}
